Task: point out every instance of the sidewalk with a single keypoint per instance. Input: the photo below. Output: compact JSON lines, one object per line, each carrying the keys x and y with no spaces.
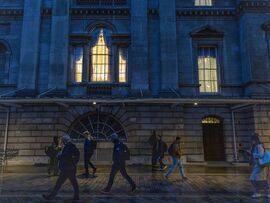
{"x":204,"y":184}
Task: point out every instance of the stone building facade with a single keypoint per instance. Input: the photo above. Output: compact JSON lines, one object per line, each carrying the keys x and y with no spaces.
{"x":198,"y":69}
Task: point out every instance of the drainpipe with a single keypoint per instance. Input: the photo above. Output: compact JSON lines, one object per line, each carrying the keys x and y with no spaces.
{"x":233,"y":111}
{"x":234,"y":138}
{"x":6,"y":138}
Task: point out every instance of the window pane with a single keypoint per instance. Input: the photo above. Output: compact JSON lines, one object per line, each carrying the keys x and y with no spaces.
{"x":122,"y":66}
{"x":203,"y":3}
{"x":207,"y":69}
{"x":77,"y":63}
{"x":100,"y":60}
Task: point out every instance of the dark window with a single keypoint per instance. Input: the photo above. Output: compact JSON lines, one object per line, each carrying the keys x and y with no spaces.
{"x":3,"y":62}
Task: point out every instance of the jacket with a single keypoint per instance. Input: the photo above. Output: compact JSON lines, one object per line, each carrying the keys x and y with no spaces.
{"x":88,"y":146}
{"x":118,"y":151}
{"x":177,"y":150}
{"x":65,"y":158}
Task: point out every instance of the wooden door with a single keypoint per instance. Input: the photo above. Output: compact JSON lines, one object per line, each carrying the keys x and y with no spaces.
{"x":213,"y":139}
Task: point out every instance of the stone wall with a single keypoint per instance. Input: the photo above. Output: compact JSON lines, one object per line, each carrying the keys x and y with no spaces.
{"x":31,"y":129}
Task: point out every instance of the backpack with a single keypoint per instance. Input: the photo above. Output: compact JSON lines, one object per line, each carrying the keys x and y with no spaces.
{"x":50,"y":151}
{"x":170,"y":150}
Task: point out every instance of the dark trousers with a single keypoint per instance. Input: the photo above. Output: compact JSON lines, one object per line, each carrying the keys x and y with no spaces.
{"x":114,"y":171}
{"x":154,"y":157}
{"x":64,"y":175}
{"x":87,"y":161}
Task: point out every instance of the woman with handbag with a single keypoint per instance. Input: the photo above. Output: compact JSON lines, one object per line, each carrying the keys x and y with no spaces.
{"x":258,"y":176}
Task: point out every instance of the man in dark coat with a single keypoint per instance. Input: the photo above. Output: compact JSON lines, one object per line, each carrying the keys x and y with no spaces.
{"x":89,"y":148}
{"x":68,"y":160}
{"x":119,"y":164}
{"x":159,"y":147}
{"x":153,"y":141}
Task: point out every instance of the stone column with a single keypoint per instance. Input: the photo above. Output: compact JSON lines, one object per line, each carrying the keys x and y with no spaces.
{"x":168,"y":44}
{"x":30,"y":46}
{"x":139,"y":45}
{"x":59,"y":45}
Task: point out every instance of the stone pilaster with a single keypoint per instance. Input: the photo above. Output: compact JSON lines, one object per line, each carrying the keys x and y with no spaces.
{"x":168,"y":45}
{"x":30,"y":45}
{"x":59,"y":45}
{"x":139,"y":46}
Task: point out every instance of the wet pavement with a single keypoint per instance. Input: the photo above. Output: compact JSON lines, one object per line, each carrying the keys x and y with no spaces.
{"x":204,"y":184}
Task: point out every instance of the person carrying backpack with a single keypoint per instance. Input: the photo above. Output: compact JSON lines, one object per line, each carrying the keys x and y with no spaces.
{"x":89,"y":147}
{"x":120,"y":155}
{"x":68,"y":161}
{"x":175,"y":151}
{"x":52,"y":151}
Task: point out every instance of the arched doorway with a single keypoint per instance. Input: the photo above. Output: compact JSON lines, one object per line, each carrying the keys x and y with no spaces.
{"x":101,"y":125}
{"x":213,"y":140}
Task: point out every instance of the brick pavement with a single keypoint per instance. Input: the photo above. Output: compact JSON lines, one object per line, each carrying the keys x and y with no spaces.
{"x":214,"y":185}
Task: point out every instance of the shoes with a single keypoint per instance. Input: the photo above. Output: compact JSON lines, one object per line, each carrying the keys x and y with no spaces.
{"x":86,"y":175}
{"x":256,"y":195}
{"x":94,"y":171}
{"x":163,"y":167}
{"x":105,"y":191}
{"x":133,"y":189}
{"x":184,"y":178}
{"x":47,"y":197}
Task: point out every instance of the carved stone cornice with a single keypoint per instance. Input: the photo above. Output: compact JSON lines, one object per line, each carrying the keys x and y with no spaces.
{"x":205,"y":12}
{"x":206,"y":32}
{"x":256,"y":6}
{"x":11,"y":12}
{"x":121,"y":39}
{"x":100,"y":11}
{"x":79,"y":38}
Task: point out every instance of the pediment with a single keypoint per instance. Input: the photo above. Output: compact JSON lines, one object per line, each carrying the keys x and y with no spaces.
{"x":207,"y":32}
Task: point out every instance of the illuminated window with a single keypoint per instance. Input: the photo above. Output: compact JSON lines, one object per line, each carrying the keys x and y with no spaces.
{"x":122,"y":66}
{"x":210,"y":120}
{"x":203,"y":3}
{"x":207,"y":68}
{"x":100,"y":60}
{"x":78,"y":64}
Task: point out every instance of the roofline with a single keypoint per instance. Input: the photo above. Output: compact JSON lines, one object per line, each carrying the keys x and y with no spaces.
{"x":73,"y":101}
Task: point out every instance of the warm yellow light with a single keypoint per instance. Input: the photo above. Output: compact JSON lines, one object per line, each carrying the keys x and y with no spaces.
{"x":100,"y":60}
{"x":122,"y":68}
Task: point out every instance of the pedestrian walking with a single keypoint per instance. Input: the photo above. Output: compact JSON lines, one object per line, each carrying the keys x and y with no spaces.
{"x":175,"y":152}
{"x":90,"y":145}
{"x":153,"y":141}
{"x":68,"y":160}
{"x":120,"y":155}
{"x":259,"y":174}
{"x":52,"y":151}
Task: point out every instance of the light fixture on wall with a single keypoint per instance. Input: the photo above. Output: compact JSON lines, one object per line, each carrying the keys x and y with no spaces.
{"x":195,"y":104}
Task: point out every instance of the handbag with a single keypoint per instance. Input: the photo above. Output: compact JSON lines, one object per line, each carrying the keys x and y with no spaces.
{"x":265,"y":160}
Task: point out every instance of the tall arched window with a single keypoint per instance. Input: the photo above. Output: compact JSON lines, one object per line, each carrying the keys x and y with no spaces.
{"x":3,"y":62}
{"x":100,"y":60}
